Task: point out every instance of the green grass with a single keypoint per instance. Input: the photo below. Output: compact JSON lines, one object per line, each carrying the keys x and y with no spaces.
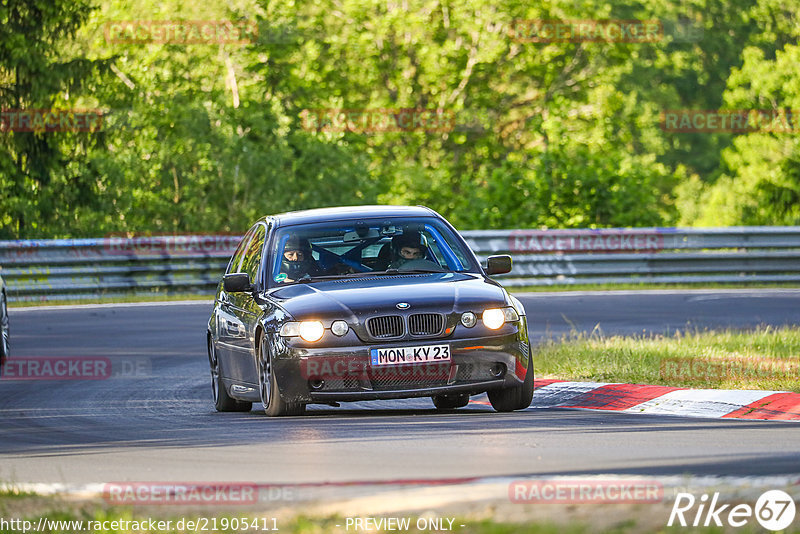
{"x":310,"y":525}
{"x":527,"y":519}
{"x":765,"y":358}
{"x":56,"y":508}
{"x":154,"y":297}
{"x":295,"y":525}
{"x":12,"y":492}
{"x":318,"y":525}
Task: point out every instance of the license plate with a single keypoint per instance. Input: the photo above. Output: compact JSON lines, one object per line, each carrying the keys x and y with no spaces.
{"x":410,"y":355}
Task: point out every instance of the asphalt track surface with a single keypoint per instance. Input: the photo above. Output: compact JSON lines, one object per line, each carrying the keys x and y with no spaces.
{"x":154,"y":420}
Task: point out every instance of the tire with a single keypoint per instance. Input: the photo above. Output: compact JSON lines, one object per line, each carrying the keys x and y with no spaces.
{"x":517,"y":397}
{"x":274,"y":405}
{"x":450,"y":402}
{"x":5,"y":347}
{"x":222,"y":401}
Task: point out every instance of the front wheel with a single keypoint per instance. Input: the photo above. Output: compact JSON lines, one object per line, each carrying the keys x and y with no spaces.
{"x":450,"y":402}
{"x":274,"y":405}
{"x":514,"y":398}
{"x":222,"y":401}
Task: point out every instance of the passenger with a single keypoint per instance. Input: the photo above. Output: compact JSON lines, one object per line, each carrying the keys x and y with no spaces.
{"x":407,"y":247}
{"x":297,"y":260}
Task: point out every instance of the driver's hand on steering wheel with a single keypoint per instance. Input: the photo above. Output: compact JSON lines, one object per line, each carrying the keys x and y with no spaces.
{"x":342,"y":268}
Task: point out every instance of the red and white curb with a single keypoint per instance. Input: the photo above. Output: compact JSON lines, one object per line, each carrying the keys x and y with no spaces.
{"x":635,"y":398}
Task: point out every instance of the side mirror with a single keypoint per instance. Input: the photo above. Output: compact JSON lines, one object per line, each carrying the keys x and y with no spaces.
{"x":498,"y":264}
{"x":237,"y":283}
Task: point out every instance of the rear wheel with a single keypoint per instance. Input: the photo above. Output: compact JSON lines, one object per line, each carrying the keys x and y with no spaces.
{"x":514,"y":398}
{"x":222,"y":401}
{"x":450,"y":402}
{"x":274,"y":405}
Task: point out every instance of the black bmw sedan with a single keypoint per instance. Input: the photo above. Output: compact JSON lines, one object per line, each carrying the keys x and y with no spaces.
{"x":364,"y":303}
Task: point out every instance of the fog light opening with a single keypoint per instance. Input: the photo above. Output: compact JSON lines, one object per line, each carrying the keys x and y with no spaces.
{"x":316,"y":384}
{"x":497,"y":369}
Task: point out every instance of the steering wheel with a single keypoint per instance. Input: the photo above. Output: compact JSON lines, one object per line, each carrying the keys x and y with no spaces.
{"x":422,"y":264}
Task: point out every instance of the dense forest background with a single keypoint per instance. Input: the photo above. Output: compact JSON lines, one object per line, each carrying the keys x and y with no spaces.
{"x":208,"y":137}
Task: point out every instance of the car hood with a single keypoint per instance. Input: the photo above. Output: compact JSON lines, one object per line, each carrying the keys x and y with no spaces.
{"x":359,"y":298}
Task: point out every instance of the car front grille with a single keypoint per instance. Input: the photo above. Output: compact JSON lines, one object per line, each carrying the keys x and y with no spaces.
{"x":386,"y":326}
{"x":392,"y":326}
{"x":425,"y":324}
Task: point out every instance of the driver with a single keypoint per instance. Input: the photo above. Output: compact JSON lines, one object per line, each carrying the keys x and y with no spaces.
{"x":297,"y":260}
{"x":407,"y":247}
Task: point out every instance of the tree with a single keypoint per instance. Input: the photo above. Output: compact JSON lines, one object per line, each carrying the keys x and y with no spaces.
{"x":761,"y":184}
{"x":40,"y":183}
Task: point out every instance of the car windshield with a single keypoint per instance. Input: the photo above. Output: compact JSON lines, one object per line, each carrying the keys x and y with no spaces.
{"x":363,"y":247}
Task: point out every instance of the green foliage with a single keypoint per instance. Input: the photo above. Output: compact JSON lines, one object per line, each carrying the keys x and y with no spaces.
{"x":207,"y":137}
{"x":761,"y":185}
{"x":40,"y":185}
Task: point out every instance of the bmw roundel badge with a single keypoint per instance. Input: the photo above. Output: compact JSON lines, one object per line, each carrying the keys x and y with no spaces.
{"x":403,"y":305}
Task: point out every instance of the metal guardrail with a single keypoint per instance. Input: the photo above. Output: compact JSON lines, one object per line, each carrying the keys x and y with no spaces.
{"x":652,"y":255}
{"x":74,"y":269}
{"x":61,"y":269}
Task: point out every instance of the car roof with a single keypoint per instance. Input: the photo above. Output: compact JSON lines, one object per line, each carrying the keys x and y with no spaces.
{"x":347,"y":213}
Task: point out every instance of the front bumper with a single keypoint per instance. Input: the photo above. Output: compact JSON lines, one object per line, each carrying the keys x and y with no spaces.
{"x":328,"y":374}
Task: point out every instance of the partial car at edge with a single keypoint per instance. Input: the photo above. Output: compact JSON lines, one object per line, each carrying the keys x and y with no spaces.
{"x":5,"y":350}
{"x":364,"y":303}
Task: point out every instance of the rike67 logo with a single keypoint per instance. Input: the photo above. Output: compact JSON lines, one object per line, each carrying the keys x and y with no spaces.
{"x":774,"y":510}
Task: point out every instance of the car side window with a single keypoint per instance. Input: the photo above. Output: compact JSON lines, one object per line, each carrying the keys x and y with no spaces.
{"x":236,"y":259}
{"x":252,"y":256}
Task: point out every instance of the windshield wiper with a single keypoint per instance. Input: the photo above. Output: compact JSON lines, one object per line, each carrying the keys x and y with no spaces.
{"x":387,"y":271}
{"x":306,"y":278}
{"x":406,"y":271}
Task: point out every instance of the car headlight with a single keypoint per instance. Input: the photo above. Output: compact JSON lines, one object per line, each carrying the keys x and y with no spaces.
{"x":310,"y":331}
{"x":468,"y":319}
{"x":339,"y":328}
{"x":494,"y":318}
